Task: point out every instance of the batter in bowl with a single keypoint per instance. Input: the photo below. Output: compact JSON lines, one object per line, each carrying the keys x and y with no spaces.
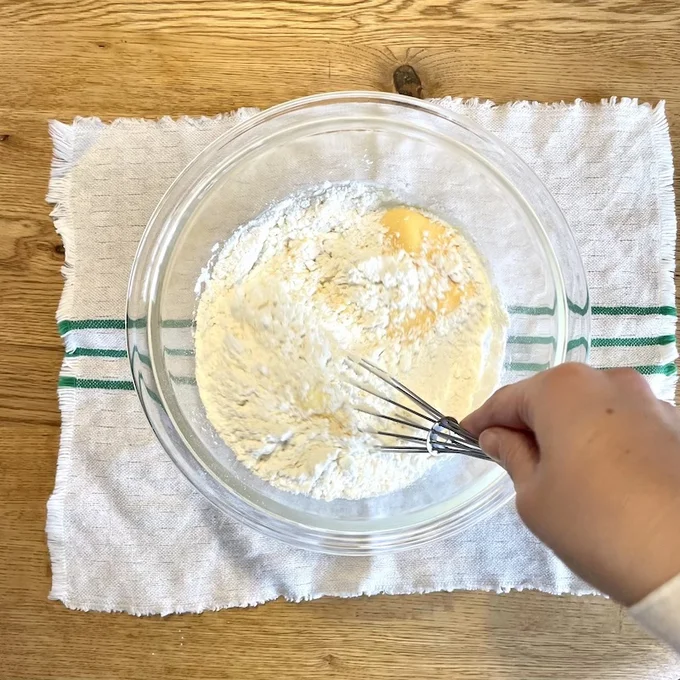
{"x":341,"y":269}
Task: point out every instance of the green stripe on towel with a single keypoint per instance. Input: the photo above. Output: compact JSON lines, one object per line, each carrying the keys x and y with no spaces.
{"x":92,"y":352}
{"x":595,"y":342}
{"x":90,"y":324}
{"x":626,"y":310}
{"x":666,"y":369}
{"x":512,"y":340}
{"x":623,"y":310}
{"x":119,"y":324}
{"x":95,"y":384}
{"x":65,"y":327}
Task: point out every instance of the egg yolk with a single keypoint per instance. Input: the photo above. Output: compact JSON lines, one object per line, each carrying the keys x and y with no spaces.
{"x":408,"y":229}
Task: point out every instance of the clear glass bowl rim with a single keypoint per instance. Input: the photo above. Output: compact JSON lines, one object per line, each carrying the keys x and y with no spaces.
{"x":295,"y":534}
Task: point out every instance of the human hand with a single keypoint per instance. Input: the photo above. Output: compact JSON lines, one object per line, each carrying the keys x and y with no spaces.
{"x":595,"y":460}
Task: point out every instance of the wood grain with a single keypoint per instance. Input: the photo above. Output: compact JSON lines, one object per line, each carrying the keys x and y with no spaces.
{"x":61,"y":58}
{"x":399,"y":21}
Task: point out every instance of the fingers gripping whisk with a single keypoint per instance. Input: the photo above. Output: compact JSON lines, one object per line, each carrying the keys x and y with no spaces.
{"x":429,"y":431}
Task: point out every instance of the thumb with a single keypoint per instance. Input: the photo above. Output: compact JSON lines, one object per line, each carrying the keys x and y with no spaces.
{"x":514,"y":450}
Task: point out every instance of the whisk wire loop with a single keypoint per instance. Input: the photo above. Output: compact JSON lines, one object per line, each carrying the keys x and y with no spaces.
{"x":444,"y":435}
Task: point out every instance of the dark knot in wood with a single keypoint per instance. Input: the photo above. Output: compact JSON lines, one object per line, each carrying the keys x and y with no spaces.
{"x":407,"y":81}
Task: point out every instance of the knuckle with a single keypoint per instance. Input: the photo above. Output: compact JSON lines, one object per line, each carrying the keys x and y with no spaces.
{"x":571,"y":371}
{"x":628,"y":377}
{"x":558,"y":380}
{"x":501,"y":392}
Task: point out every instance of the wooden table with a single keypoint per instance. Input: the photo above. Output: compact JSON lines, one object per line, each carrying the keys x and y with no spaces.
{"x":61,"y":58}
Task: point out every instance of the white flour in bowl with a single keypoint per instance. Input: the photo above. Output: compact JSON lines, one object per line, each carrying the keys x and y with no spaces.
{"x":342,"y":269}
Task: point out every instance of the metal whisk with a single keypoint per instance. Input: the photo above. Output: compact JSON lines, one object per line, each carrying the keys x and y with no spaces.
{"x":440,"y":434}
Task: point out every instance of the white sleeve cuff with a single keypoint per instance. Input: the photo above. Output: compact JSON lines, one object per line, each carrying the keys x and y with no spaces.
{"x":659,"y":613}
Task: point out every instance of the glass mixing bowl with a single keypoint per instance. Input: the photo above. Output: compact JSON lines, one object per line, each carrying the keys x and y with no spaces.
{"x":430,"y":158}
